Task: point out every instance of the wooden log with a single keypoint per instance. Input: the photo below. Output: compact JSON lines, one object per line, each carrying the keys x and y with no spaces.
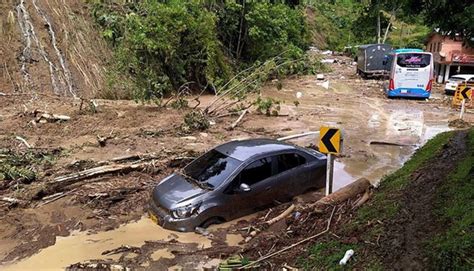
{"x":12,"y":200}
{"x":239,"y":119}
{"x":286,"y":213}
{"x":97,"y":171}
{"x":347,"y":192}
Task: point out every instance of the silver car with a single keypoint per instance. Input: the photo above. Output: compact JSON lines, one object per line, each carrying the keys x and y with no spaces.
{"x":233,"y":180}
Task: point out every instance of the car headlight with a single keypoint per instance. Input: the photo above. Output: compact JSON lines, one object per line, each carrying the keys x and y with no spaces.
{"x":184,"y":212}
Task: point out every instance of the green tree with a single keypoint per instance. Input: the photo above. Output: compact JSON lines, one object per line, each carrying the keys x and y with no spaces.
{"x":454,"y":17}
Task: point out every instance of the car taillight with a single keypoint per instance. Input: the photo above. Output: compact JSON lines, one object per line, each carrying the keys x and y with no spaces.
{"x":430,"y":85}
{"x":391,"y":85}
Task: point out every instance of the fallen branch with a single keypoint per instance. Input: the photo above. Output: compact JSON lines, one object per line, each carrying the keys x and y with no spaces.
{"x":293,"y":245}
{"x":362,"y":200}
{"x":348,"y":191}
{"x":12,"y":200}
{"x":55,"y":197}
{"x":43,"y":117}
{"x":286,"y":213}
{"x":239,"y":119}
{"x":98,"y":171}
{"x":23,"y":141}
{"x":390,"y":143}
{"x":122,"y":249}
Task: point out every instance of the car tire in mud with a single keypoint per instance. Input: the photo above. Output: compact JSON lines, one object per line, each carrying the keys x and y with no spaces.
{"x":212,"y":221}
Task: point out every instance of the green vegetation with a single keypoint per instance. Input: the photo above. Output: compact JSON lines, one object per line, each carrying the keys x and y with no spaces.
{"x":159,"y":46}
{"x":449,"y":250}
{"x":453,"y":248}
{"x":326,"y":256}
{"x":23,"y":167}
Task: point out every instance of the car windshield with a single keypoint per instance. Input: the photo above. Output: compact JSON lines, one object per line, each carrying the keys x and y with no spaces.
{"x":211,"y":169}
{"x":456,"y":79}
{"x":413,"y":60}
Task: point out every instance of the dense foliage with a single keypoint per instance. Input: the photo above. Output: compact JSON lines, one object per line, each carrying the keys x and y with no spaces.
{"x":162,"y":45}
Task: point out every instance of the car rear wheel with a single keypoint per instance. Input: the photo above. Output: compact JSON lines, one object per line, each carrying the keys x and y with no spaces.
{"x":212,"y":221}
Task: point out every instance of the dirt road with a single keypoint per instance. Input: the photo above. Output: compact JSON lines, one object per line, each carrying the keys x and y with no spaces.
{"x":379,"y":135}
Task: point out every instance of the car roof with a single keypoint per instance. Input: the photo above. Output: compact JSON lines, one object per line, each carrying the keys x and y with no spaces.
{"x":245,"y":149}
{"x":464,"y":76}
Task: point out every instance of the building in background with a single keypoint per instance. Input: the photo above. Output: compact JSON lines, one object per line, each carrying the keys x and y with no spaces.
{"x":451,"y":56}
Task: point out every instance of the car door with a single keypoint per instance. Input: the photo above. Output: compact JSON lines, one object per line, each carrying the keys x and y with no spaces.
{"x":292,"y":175}
{"x":257,"y":175}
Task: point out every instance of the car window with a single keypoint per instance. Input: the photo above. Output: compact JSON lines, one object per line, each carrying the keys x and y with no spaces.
{"x":413,"y":60}
{"x":288,"y":161}
{"x":212,"y":168}
{"x":456,"y":79}
{"x":255,"y":172}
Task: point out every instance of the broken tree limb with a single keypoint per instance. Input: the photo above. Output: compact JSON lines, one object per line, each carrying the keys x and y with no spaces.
{"x":298,"y":136}
{"x":286,"y":213}
{"x":55,"y":197}
{"x":43,"y":116}
{"x":23,"y":141}
{"x":362,"y":199}
{"x":293,"y":245}
{"x":98,"y":171}
{"x":12,"y":200}
{"x":390,"y":143}
{"x":239,"y":119}
{"x":348,"y":191}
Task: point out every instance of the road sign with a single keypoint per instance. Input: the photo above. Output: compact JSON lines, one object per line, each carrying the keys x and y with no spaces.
{"x":330,"y":140}
{"x":463,"y":92}
{"x":330,"y":143}
{"x":466,"y":91}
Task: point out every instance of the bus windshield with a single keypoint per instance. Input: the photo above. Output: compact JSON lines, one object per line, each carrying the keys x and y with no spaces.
{"x":413,"y":60}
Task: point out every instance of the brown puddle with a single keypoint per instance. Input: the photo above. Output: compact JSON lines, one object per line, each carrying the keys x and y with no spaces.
{"x":81,"y":246}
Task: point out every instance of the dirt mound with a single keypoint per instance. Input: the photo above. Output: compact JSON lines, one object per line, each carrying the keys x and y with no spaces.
{"x":459,"y":123}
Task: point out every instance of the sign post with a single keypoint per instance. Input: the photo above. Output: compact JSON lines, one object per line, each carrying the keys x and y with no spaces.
{"x":329,"y":143}
{"x":463,"y":93}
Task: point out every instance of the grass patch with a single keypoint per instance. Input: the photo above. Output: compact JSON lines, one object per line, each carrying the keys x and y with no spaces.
{"x":326,"y":256}
{"x":453,"y":249}
{"x":383,"y":206}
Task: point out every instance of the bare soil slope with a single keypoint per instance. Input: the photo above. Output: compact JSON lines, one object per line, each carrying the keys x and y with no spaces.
{"x":50,"y":47}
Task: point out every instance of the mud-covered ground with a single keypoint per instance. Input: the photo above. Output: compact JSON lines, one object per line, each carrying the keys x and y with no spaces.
{"x":106,"y":212}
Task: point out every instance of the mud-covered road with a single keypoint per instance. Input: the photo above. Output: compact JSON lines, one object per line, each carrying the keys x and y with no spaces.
{"x":107,"y":212}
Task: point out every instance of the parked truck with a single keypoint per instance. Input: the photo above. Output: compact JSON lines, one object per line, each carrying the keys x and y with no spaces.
{"x":370,"y":60}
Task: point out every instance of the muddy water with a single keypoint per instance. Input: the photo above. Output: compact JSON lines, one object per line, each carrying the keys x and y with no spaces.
{"x":81,"y":246}
{"x":407,"y":124}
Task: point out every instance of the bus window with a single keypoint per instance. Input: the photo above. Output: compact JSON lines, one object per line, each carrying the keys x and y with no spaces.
{"x":413,"y":60}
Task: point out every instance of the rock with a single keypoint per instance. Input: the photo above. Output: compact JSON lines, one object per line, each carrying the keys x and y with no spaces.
{"x":328,"y":60}
{"x":320,"y":76}
{"x":201,"y":231}
{"x":204,"y":134}
{"x":299,"y":95}
{"x":189,"y":137}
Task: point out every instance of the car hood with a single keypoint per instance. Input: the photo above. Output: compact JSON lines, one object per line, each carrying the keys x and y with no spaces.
{"x":175,"y":191}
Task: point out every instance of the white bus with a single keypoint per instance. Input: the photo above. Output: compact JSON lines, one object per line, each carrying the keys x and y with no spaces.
{"x":411,"y":73}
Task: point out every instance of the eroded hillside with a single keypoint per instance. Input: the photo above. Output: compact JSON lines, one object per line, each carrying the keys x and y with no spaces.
{"x":50,"y":47}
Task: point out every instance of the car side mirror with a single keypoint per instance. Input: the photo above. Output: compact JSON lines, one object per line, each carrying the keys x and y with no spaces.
{"x":244,"y":187}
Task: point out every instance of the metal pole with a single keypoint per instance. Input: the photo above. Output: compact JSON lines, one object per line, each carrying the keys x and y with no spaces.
{"x":329,"y":173}
{"x":463,"y":107}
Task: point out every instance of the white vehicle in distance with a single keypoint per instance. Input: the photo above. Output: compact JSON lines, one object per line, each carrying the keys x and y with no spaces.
{"x":455,"y":80}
